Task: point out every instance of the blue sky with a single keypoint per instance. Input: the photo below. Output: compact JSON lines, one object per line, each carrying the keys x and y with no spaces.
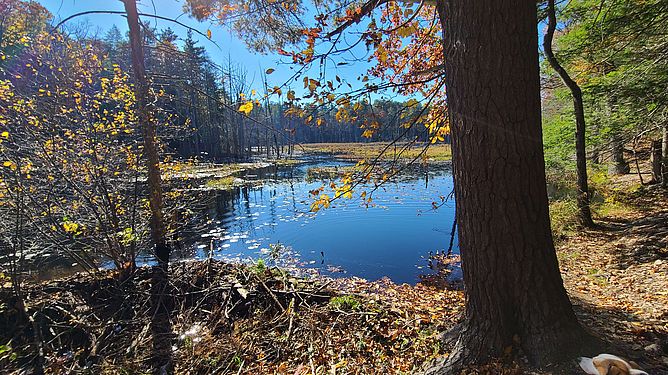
{"x":226,"y":44}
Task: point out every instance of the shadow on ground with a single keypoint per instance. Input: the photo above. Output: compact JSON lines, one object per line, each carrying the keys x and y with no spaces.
{"x":626,"y":335}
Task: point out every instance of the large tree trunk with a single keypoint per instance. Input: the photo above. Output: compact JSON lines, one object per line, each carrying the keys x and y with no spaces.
{"x":580,"y":126}
{"x":515,"y":294}
{"x":160,"y":323}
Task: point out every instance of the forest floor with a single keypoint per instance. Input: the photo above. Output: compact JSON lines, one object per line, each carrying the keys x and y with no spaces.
{"x":252,"y":319}
{"x":617,"y":273}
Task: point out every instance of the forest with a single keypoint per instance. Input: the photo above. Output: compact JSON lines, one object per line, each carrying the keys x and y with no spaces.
{"x":354,"y":187}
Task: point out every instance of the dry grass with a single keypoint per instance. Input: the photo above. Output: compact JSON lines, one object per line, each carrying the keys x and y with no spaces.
{"x":358,"y":151}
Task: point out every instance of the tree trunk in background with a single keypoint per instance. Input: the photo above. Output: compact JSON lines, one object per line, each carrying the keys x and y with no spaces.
{"x":619,"y":166}
{"x":656,"y":159}
{"x":664,"y":157}
{"x":160,"y":323}
{"x":515,"y":294}
{"x":580,"y":126}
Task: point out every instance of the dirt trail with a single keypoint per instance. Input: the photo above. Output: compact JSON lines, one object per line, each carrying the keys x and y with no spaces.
{"x":617,"y":276}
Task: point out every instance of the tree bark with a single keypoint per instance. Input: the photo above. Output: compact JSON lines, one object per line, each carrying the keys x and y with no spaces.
{"x":580,"y":126}
{"x":160,"y":323}
{"x":515,"y":295}
{"x":149,"y":131}
{"x":656,"y":160}
{"x":620,"y":166}
{"x":664,"y":157}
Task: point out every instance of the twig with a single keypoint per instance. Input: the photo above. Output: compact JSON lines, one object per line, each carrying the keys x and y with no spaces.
{"x":273,"y":296}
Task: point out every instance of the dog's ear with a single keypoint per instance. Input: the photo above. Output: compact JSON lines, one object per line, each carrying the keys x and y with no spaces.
{"x":587,"y":364}
{"x":615,"y":370}
{"x":634,"y":365}
{"x":634,"y":371}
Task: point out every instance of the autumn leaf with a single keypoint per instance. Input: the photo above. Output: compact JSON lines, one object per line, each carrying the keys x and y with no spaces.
{"x":208,"y":34}
{"x":70,"y":227}
{"x":10,"y":164}
{"x":246,"y":108}
{"x":269,"y":71}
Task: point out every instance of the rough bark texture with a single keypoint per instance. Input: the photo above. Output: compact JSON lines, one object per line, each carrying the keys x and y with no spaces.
{"x":580,"y":126}
{"x":664,"y":155}
{"x":656,"y":160}
{"x":160,"y":324}
{"x":515,"y":295}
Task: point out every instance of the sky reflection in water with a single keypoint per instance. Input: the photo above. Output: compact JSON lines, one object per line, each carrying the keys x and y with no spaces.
{"x":391,"y":239}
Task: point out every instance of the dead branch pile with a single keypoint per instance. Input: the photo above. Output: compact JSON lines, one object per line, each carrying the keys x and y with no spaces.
{"x":227,"y":319}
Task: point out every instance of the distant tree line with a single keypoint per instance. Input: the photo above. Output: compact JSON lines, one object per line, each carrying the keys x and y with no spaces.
{"x":204,"y":97}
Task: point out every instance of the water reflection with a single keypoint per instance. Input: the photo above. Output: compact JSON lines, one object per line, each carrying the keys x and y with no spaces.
{"x":391,"y":239}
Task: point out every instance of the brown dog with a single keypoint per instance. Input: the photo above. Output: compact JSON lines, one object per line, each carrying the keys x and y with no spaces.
{"x":608,"y":364}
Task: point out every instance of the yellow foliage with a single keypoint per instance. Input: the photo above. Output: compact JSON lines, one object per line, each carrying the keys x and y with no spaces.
{"x":70,"y":227}
{"x":322,"y":201}
{"x":246,"y":107}
{"x":10,"y":164}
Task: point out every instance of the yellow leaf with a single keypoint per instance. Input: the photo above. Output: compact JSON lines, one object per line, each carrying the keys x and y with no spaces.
{"x":246,"y":108}
{"x":406,"y":31}
{"x":5,"y":134}
{"x":10,"y":164}
{"x":269,"y":71}
{"x":208,"y":34}
{"x":70,"y":227}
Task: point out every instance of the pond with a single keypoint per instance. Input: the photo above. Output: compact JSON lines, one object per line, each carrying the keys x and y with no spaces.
{"x":270,"y":220}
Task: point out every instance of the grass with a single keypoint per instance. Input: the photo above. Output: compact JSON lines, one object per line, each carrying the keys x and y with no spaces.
{"x":323,"y":173}
{"x":287,"y":162}
{"x":223,"y":183}
{"x":607,"y":199}
{"x":434,"y":152}
{"x":563,"y":217}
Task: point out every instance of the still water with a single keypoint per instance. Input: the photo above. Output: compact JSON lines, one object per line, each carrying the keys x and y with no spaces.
{"x":393,"y":238}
